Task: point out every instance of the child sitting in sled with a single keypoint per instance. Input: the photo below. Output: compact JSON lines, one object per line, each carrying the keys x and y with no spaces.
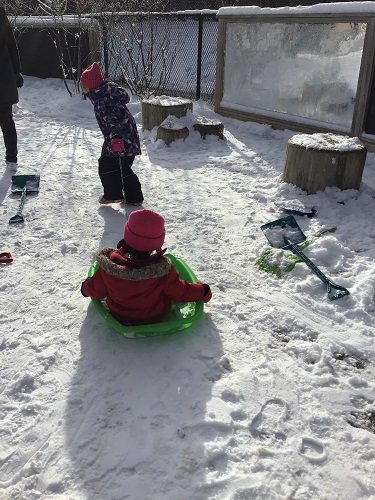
{"x":116,"y":122}
{"x":138,"y":281}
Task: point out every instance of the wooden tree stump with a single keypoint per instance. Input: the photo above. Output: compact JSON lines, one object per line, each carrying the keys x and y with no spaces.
{"x":171,"y":129}
{"x":314,"y":162}
{"x":156,"y":110}
{"x":210,"y":127}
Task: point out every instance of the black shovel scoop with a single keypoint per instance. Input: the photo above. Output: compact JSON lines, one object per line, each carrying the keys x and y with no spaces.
{"x":286,"y":233}
{"x":23,"y":184}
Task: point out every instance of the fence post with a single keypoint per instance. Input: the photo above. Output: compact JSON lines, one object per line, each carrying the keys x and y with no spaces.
{"x":199,"y":57}
{"x":105,"y":46}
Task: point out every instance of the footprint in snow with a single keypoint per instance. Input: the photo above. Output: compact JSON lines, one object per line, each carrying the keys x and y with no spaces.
{"x":313,"y":450}
{"x":267,"y":423}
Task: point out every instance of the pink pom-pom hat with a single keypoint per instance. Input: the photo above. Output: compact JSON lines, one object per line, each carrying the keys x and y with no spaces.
{"x":145,"y":231}
{"x":92,"y":77}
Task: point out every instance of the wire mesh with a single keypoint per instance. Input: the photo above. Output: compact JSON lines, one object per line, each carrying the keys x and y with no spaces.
{"x":163,"y":54}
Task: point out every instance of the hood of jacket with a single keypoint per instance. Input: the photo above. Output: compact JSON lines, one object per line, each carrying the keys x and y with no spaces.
{"x":111,"y":91}
{"x":155,"y":270}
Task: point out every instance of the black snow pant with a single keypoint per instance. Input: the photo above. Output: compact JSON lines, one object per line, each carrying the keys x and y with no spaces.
{"x":110,"y":176}
{"x":8,"y":128}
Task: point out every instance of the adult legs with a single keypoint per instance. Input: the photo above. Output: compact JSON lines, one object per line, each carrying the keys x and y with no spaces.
{"x":8,"y":128}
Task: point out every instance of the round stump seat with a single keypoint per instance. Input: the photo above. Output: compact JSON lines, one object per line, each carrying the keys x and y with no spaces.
{"x":209,"y":127}
{"x":317,"y":161}
{"x":171,"y":129}
{"x":157,"y":109}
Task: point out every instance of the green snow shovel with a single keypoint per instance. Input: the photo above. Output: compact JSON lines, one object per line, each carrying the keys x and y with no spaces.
{"x":23,"y":184}
{"x":285,"y":233}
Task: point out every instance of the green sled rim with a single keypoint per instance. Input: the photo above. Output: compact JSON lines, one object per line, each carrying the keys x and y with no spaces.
{"x":179,"y":317}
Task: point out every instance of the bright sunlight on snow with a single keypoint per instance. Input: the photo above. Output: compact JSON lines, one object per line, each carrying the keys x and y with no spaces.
{"x":270,"y":396}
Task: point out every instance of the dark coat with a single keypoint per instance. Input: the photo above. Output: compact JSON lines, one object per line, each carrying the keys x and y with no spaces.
{"x":9,"y":62}
{"x":114,"y":118}
{"x":138,"y":295}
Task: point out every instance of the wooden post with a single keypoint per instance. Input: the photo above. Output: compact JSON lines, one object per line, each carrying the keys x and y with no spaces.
{"x":155,"y":111}
{"x":314,"y":162}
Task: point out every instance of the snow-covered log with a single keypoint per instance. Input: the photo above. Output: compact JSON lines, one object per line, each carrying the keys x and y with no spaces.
{"x":314,"y":162}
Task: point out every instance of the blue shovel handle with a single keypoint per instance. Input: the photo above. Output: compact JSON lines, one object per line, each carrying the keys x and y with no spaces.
{"x":19,"y":217}
{"x":334,"y":291}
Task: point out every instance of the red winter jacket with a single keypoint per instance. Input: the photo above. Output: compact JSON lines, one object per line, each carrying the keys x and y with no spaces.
{"x":138,"y":293}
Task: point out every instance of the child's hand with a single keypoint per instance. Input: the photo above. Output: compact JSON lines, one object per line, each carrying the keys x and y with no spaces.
{"x":82,"y":287}
{"x":207,"y":293}
{"x":117,"y":145}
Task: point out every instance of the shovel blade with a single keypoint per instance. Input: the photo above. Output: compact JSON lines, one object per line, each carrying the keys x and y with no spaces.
{"x":30,"y":181}
{"x":279,"y":231}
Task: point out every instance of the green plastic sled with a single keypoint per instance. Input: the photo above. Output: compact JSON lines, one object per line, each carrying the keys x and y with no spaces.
{"x":181,"y":315}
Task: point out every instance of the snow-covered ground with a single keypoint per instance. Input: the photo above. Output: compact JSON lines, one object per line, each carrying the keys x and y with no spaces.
{"x":270,"y":396}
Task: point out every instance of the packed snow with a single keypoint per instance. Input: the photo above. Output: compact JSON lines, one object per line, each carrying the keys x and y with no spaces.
{"x":270,"y":396}
{"x":356,"y":7}
{"x":327,"y":142}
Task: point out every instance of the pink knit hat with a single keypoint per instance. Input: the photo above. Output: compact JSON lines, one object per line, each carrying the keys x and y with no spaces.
{"x":144,"y":231}
{"x":92,"y":77}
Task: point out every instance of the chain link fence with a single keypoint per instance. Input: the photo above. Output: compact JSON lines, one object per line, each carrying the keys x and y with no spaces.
{"x":149,"y":53}
{"x":162,"y":54}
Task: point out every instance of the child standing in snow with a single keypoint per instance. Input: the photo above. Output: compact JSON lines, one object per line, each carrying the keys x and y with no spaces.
{"x":115,"y":122}
{"x":138,"y":281}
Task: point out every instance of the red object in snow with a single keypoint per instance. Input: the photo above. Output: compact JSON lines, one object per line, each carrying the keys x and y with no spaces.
{"x":6,"y":258}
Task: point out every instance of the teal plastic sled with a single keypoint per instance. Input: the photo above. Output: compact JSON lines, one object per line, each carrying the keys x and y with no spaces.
{"x":181,"y":315}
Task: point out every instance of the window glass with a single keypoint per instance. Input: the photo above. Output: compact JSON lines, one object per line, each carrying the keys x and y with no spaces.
{"x":307,"y":70}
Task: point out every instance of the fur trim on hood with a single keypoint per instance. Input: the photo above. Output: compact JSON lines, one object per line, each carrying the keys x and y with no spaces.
{"x":157,"y":270}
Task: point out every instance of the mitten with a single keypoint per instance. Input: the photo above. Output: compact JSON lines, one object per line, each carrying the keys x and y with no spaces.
{"x":207,"y":293}
{"x":120,"y":244}
{"x":117,"y":145}
{"x":82,"y":287}
{"x":19,"y":80}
